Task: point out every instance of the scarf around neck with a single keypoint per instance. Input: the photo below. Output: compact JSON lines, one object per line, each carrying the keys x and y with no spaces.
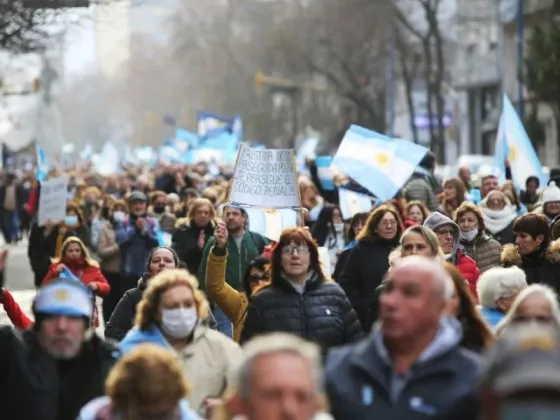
{"x":497,"y":220}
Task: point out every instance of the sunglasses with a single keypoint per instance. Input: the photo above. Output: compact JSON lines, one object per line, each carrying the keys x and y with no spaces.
{"x":257,"y":279}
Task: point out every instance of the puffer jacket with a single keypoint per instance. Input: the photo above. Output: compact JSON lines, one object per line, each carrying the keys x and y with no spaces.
{"x":540,"y":267}
{"x":420,"y":187}
{"x":122,"y":318}
{"x":322,"y":313}
{"x":485,"y":250}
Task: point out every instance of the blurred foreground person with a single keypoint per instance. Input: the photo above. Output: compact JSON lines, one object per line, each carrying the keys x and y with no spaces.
{"x":280,"y":378}
{"x":412,"y":366}
{"x":52,"y":370}
{"x":521,"y":376}
{"x":131,"y":397}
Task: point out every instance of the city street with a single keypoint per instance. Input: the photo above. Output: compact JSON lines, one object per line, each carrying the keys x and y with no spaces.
{"x":19,"y":280}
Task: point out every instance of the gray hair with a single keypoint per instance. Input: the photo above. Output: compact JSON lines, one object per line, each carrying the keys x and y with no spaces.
{"x":277,"y":343}
{"x":547,"y":292}
{"x":442,"y":279}
{"x":499,"y":282}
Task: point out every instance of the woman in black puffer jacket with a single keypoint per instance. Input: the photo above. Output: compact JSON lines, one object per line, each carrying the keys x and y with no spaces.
{"x":300,"y":300}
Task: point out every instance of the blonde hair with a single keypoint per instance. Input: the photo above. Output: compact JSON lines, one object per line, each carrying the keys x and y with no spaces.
{"x":198,"y":203}
{"x":148,"y":306}
{"x":74,"y":240}
{"x":127,"y":386}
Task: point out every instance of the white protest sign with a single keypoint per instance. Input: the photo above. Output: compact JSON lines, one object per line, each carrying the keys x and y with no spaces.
{"x":52,"y":200}
{"x":265,"y":178}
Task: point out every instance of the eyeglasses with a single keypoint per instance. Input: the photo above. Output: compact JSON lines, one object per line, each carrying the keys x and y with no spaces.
{"x":541,"y":319}
{"x":289,"y":249}
{"x":388,"y":224}
{"x":257,"y":279}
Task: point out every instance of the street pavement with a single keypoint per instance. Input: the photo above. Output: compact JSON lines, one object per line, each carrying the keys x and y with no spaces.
{"x":20,"y":282}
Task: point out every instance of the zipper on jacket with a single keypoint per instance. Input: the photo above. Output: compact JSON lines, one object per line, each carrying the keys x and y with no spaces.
{"x":302,"y":314}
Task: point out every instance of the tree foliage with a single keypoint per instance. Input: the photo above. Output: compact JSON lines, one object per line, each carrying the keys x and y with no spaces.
{"x":22,"y":29}
{"x":542,"y":65}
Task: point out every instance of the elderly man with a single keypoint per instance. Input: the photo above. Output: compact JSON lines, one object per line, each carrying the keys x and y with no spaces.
{"x":412,"y":366}
{"x":497,"y":289}
{"x":521,"y":376}
{"x":488,"y":182}
{"x":51,"y":371}
{"x":280,"y":378}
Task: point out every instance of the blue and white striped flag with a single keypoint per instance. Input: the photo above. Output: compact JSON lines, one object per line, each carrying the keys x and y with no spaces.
{"x":512,"y":143}
{"x":271,"y":223}
{"x":325,"y":172}
{"x":351,"y":202}
{"x":379,"y":163}
{"x":43,"y":165}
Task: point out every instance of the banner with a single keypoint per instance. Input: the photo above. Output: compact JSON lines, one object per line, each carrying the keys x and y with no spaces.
{"x":265,"y":178}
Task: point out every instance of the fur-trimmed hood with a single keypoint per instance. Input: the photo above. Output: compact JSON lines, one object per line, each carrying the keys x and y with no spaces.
{"x":510,"y":255}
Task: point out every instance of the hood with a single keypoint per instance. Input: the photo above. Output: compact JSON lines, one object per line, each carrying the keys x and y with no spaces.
{"x":510,"y":255}
{"x":436,"y":220}
{"x":448,"y":336}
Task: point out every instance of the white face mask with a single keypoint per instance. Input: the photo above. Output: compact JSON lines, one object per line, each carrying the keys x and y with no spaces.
{"x":339,"y":227}
{"x":179,"y":322}
{"x":470,"y":235}
{"x":119,"y":216}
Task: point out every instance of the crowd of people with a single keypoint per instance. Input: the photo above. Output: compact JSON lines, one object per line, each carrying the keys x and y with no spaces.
{"x":441,"y":303}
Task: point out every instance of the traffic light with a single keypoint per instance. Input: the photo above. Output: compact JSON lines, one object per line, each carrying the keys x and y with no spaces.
{"x":54,"y":4}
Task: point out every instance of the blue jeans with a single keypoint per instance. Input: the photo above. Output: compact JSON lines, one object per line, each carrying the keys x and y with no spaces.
{"x":223,"y":323}
{"x":10,"y":226}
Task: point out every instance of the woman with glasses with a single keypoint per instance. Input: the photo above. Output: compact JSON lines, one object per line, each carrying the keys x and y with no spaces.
{"x":233,"y":303}
{"x":536,"y":304}
{"x":300,"y":300}
{"x":369,"y":261}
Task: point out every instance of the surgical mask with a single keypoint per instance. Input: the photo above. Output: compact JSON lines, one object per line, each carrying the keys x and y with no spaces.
{"x":179,"y":322}
{"x":71,"y":220}
{"x":339,"y":227}
{"x":470,"y":235}
{"x":118,"y":216}
{"x":529,"y":410}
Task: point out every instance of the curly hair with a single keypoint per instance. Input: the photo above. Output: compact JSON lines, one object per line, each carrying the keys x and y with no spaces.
{"x":148,"y":308}
{"x":127,"y":386}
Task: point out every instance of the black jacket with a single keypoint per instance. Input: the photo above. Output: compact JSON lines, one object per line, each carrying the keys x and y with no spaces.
{"x":362,"y":274}
{"x":122,"y":318}
{"x":34,"y":386}
{"x":185,"y":244}
{"x":322,"y":314}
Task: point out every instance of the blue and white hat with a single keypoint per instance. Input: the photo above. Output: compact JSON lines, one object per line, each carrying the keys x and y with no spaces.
{"x":64,"y":297}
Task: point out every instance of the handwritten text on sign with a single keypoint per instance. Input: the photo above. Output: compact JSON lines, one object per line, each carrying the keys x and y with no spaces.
{"x":52,"y":200}
{"x":265,"y":178}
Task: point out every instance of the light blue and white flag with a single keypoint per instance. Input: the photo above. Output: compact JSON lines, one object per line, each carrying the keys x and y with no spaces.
{"x":209,"y":122}
{"x":43,"y":165}
{"x":237,"y":128}
{"x":87,"y":153}
{"x":351,"y":203}
{"x":379,"y":163}
{"x":306,"y":150}
{"x":512,"y":143}
{"x":108,"y":162}
{"x":271,"y":223}
{"x":169,"y":155}
{"x":325,"y":172}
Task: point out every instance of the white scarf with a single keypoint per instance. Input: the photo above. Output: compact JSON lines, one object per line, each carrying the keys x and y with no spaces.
{"x":498,"y":220}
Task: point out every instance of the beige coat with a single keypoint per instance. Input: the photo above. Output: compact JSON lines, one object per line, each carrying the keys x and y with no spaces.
{"x":108,"y":249}
{"x":210,"y":364}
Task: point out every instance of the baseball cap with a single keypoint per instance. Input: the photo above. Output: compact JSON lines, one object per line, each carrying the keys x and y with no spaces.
{"x":63,"y":297}
{"x":137,"y":196}
{"x":526,"y":357}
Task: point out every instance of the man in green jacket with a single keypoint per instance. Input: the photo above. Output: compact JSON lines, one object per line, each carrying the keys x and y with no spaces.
{"x":243,"y":246}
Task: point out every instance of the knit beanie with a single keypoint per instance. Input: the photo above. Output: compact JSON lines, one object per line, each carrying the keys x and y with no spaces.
{"x":551,"y":193}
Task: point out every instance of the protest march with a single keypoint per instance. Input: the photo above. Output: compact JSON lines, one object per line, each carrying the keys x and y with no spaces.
{"x":235,"y":281}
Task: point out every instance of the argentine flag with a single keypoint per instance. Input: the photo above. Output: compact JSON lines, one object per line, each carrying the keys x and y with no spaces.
{"x":351,"y":202}
{"x":271,"y":223}
{"x":325,"y":172}
{"x":379,"y":163}
{"x":43,"y":165}
{"x":513,"y":144}
{"x":208,"y":122}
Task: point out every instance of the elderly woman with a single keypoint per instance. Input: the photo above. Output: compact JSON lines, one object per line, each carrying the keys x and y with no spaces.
{"x":369,"y":261}
{"x":498,"y":214}
{"x":300,"y":300}
{"x":171,"y":314}
{"x":536,"y":303}
{"x":482,"y":248}
{"x":533,"y":252}
{"x":160,"y":259}
{"x":131,"y":396}
{"x":497,"y":289}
